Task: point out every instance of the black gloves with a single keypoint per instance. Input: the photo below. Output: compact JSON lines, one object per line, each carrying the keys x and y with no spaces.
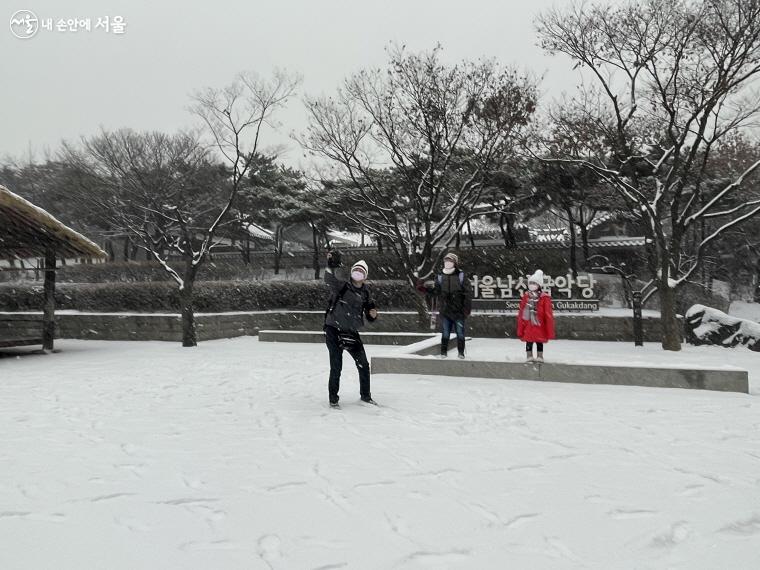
{"x":333,"y":259}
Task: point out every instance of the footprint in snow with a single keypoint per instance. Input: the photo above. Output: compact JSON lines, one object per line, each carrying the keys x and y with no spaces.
{"x":13,"y":514}
{"x":439,"y":559}
{"x":677,"y":533}
{"x":625,"y":514}
{"x":746,"y":527}
{"x":268,"y":547}
{"x":133,"y":525}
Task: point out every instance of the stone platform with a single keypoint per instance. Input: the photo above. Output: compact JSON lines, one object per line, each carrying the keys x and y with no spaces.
{"x":417,"y":360}
{"x":382,"y":338}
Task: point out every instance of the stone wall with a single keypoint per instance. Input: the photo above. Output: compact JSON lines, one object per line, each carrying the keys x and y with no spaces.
{"x":116,"y":326}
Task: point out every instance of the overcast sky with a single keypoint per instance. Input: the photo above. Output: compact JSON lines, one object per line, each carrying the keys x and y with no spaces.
{"x":60,"y":85}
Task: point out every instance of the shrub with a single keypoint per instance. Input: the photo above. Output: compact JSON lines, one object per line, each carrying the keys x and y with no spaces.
{"x":210,"y":296}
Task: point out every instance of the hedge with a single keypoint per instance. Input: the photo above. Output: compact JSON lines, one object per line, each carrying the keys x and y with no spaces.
{"x":225,"y":296}
{"x":210,"y":296}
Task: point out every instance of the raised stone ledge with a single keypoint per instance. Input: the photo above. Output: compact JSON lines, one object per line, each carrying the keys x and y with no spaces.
{"x":724,"y":380}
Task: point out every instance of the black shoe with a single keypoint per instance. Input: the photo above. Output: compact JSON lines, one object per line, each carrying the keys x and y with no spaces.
{"x":370,"y":401}
{"x":335,"y":405}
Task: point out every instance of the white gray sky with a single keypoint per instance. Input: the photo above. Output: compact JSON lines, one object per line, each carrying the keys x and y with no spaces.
{"x":60,"y":85}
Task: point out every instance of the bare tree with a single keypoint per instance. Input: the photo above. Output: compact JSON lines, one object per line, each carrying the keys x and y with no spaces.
{"x":234,"y":117}
{"x":673,"y":78}
{"x":170,"y":193}
{"x":163,"y":191}
{"x":414,"y":143}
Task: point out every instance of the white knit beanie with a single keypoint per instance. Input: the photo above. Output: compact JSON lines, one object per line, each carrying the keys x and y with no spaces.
{"x":361,"y":265}
{"x":537,"y":277}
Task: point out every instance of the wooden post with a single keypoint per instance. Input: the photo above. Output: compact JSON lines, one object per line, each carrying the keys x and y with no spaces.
{"x":48,"y":318}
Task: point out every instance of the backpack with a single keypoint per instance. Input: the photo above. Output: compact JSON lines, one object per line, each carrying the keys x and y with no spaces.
{"x":461,"y":279}
{"x":334,"y":300}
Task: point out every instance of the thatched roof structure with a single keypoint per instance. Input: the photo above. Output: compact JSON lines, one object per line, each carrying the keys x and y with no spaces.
{"x":27,"y":231}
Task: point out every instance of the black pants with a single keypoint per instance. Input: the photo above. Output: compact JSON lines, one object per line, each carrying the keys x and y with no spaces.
{"x":337,"y":342}
{"x":539,"y":347}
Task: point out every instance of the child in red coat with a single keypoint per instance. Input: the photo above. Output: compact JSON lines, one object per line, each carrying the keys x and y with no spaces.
{"x":535,"y":319}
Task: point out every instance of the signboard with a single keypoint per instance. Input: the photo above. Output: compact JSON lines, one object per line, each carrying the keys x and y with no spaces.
{"x":503,"y":294}
{"x":513,"y":305}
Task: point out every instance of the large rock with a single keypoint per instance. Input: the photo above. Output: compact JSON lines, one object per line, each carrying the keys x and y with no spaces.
{"x":705,"y":325}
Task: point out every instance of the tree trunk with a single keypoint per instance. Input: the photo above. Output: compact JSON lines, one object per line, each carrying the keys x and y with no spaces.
{"x":109,"y":250}
{"x":503,"y":228}
{"x":671,"y":329}
{"x":247,"y":253}
{"x":573,"y":252}
{"x":277,"y":249}
{"x":469,"y":233}
{"x":315,"y":244}
{"x":189,"y":337}
{"x":423,"y":317}
{"x":584,"y":244}
{"x":379,"y":244}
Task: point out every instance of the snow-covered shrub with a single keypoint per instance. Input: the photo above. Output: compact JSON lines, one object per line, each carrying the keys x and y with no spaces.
{"x":210,"y":296}
{"x":705,"y":325}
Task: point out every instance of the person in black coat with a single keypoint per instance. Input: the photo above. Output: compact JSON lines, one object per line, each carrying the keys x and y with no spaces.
{"x":451,"y":290}
{"x":350,"y":303}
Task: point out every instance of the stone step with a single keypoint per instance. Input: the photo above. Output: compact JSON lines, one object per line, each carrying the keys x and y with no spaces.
{"x":653,"y":377}
{"x":384,"y":338}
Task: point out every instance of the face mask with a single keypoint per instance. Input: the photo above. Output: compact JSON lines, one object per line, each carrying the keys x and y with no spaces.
{"x":448,"y":264}
{"x":533,"y":287}
{"x":357,"y":276}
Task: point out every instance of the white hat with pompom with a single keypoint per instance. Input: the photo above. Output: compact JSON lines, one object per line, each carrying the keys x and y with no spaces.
{"x":537,"y":277}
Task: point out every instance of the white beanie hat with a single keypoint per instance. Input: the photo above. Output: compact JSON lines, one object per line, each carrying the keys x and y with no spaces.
{"x":361,"y":265}
{"x":537,"y":277}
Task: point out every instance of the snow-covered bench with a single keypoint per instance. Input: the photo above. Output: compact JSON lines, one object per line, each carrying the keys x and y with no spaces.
{"x":20,"y":330}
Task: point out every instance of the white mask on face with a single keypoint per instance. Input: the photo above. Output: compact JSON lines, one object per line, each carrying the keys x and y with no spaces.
{"x":448,"y":264}
{"x":357,"y":276}
{"x":533,"y":286}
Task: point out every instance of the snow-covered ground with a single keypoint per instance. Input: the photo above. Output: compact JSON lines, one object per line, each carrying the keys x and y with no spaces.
{"x":147,"y":455}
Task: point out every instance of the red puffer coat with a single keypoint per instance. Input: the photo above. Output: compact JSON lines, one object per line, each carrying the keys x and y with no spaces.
{"x":544,"y":330}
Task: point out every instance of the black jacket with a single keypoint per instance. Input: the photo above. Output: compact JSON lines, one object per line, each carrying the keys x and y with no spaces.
{"x":454,"y":296}
{"x":348,"y":312}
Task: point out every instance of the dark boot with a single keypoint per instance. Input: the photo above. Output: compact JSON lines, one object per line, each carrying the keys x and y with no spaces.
{"x":460,"y":347}
{"x":444,"y":348}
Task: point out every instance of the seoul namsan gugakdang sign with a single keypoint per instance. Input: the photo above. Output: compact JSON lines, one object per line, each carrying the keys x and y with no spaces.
{"x":503,"y":294}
